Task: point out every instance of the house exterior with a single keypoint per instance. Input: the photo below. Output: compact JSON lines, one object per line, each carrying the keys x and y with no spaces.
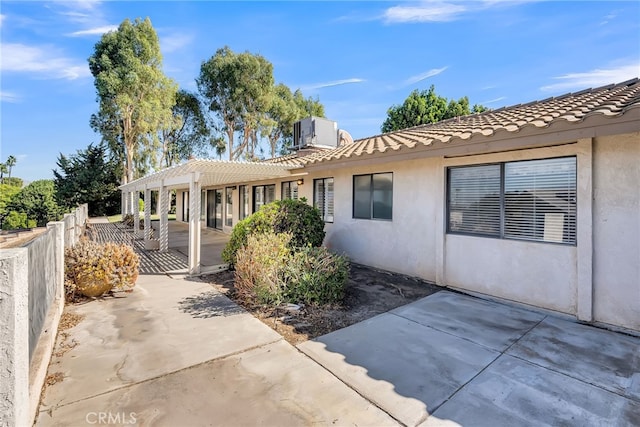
{"x":537,"y":204}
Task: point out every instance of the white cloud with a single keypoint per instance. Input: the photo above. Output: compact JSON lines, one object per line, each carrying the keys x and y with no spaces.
{"x":425,"y":75}
{"x":333,"y":83}
{"x":44,"y":61}
{"x":2,"y":18}
{"x":9,"y":97}
{"x":594,"y":78}
{"x":492,"y":101}
{"x":94,"y":31}
{"x":174,"y":42}
{"x":427,"y":12}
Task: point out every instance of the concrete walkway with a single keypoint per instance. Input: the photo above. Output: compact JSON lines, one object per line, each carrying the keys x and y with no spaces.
{"x":451,"y":359}
{"x":178,"y":353}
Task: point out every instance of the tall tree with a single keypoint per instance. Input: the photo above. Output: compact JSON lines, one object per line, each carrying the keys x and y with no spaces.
{"x":422,"y":107}
{"x":89,"y":176}
{"x":237,"y":88}
{"x":38,"y":201}
{"x":3,"y":169}
{"x":191,"y":136}
{"x":10,"y":163}
{"x":134,"y":94}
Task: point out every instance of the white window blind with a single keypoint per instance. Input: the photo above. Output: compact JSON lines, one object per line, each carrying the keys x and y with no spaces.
{"x":526,"y":200}
{"x":540,"y":200}
{"x":474,"y":200}
{"x":323,"y":197}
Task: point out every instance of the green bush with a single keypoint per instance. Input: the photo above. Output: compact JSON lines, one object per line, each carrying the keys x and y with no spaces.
{"x":315,"y":275}
{"x":269,"y":271}
{"x":303,"y":222}
{"x":260,"y":266}
{"x":17,"y":220}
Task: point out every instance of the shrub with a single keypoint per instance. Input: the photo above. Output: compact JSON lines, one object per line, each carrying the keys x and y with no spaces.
{"x":315,"y":275}
{"x":17,"y":220}
{"x":93,"y":269}
{"x":303,"y":222}
{"x":268,"y":271}
{"x":260,"y":267}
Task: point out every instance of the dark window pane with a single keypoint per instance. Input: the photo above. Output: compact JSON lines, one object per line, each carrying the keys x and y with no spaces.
{"x":383,"y":196}
{"x":270,"y":193}
{"x":362,"y":196}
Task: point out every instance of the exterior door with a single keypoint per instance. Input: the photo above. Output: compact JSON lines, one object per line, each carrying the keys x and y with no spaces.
{"x":211,"y":208}
{"x":218,"y":209}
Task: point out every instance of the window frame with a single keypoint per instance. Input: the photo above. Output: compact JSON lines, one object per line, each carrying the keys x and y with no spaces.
{"x":228,"y":206}
{"x":371,"y":216}
{"x":324,"y":197}
{"x":263,"y":188}
{"x":290,"y":185}
{"x":501,"y":235}
{"x":243,"y":202}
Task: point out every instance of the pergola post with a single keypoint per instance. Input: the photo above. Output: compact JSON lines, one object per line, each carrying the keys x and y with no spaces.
{"x":147,"y":214}
{"x":136,"y":214}
{"x":163,"y":206}
{"x":194,"y":224}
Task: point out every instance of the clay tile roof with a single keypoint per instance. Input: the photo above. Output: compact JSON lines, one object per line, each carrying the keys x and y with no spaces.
{"x":610,"y":101}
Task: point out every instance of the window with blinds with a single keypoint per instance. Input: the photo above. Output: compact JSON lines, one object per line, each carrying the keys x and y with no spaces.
{"x":526,"y":200}
{"x":262,"y":195}
{"x":289,"y":190}
{"x":323,"y":197}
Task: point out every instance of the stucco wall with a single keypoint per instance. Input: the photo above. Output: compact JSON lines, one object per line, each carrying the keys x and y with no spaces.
{"x":406,"y":244}
{"x":42,"y":282}
{"x":616,"y":224}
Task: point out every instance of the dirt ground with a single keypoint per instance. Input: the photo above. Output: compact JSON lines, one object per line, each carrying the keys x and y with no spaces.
{"x":369,"y":292}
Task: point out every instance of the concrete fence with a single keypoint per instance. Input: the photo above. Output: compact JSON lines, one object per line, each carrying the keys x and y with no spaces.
{"x":31,"y":304}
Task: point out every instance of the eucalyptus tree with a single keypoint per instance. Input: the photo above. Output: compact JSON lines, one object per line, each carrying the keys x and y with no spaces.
{"x":134,"y":94}
{"x":238,"y":89}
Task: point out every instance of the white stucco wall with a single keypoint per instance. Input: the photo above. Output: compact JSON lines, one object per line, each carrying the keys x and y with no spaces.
{"x":406,"y":244}
{"x":538,"y":274}
{"x":616,"y":225}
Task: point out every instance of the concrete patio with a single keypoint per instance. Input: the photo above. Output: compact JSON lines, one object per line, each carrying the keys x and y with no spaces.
{"x":177,"y":352}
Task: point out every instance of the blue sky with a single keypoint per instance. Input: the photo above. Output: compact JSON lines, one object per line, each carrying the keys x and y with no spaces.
{"x":359,"y":58}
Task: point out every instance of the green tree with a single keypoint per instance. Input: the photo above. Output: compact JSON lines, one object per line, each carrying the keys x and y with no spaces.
{"x":17,"y":220}
{"x":89,"y":176}
{"x":422,"y":107}
{"x":134,"y":94}
{"x":3,"y":169}
{"x":192,"y":135}
{"x":238,"y":89}
{"x":8,"y":190}
{"x":10,"y":163}
{"x":37,"y":200}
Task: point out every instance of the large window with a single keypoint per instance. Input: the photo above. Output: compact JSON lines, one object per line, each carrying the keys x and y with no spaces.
{"x":229,"y":207}
{"x":290,"y":190}
{"x":373,"y":196}
{"x":262,"y":195}
{"x":243,"y":192}
{"x":323,"y":197}
{"x":526,"y":200}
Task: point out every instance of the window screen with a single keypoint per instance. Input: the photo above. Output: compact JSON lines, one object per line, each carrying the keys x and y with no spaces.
{"x":323,"y":197}
{"x":474,"y":200}
{"x":373,"y":196}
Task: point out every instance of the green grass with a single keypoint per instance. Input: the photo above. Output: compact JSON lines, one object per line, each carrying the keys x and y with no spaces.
{"x":154,"y":217}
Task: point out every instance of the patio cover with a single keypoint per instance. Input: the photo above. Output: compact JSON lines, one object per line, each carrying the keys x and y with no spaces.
{"x":208,"y":173}
{"x":194,"y":175}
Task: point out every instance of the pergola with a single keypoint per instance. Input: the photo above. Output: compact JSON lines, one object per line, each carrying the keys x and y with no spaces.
{"x":194,"y":175}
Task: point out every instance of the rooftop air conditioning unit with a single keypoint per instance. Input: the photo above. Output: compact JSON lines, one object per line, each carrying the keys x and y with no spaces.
{"x":315,"y":132}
